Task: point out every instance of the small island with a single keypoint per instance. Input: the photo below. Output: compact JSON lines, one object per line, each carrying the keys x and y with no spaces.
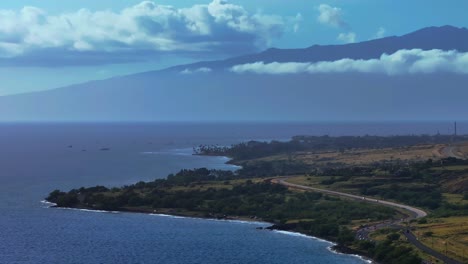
{"x":299,"y":185}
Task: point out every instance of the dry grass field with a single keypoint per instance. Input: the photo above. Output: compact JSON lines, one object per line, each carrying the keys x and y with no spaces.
{"x":366,"y":156}
{"x":447,"y":235}
{"x":462,"y":149}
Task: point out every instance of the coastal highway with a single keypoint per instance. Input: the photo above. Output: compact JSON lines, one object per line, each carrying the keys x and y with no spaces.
{"x":363,"y":233}
{"x":414,"y":212}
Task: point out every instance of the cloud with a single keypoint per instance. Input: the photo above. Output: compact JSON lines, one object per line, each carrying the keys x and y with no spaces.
{"x":31,"y":36}
{"x":331,"y":16}
{"x":271,"y":68}
{"x":415,"y":61}
{"x":349,"y":37}
{"x":297,"y":22}
{"x":199,"y":70}
{"x":380,"y":33}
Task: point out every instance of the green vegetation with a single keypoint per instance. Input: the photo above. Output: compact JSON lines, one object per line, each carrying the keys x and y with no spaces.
{"x":254,"y":149}
{"x":447,"y":234}
{"x":426,"y":184}
{"x":391,"y":251}
{"x":258,"y":198}
{"x":438,"y":186}
{"x":306,"y":212}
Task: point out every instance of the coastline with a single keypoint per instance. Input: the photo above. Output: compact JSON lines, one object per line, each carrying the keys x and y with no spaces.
{"x":332,"y":247}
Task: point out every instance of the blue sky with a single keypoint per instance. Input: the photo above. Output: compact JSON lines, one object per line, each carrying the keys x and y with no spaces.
{"x":58,"y":43}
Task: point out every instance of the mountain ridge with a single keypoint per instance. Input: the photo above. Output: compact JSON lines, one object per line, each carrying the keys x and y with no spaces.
{"x":168,"y":95}
{"x":426,"y":39}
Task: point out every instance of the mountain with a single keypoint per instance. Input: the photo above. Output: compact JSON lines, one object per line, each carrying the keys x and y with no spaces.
{"x":443,"y":38}
{"x":220,"y":95}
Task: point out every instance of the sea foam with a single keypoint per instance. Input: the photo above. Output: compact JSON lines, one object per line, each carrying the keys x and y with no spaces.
{"x":330,"y":247}
{"x":212,"y":219}
{"x":48,"y":204}
{"x":296,"y":234}
{"x":89,"y":210}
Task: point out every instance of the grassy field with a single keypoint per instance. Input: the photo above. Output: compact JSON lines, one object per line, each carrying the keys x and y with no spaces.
{"x":344,"y":186}
{"x":202,"y":186}
{"x":447,"y":235}
{"x":438,"y":233}
{"x":365,"y":156}
{"x":313,"y":181}
{"x":463,"y":149}
{"x":456,"y":199}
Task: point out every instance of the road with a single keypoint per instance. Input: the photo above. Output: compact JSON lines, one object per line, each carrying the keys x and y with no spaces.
{"x":414,"y":212}
{"x":363,"y":233}
{"x":414,"y":240}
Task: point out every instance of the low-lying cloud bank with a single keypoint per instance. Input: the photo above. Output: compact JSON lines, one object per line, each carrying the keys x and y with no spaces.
{"x":199,"y":70}
{"x":32,"y":36}
{"x":401,"y":62}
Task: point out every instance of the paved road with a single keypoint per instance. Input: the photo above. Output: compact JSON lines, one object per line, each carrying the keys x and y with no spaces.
{"x":415,"y":212}
{"x":412,"y":238}
{"x":363,"y":233}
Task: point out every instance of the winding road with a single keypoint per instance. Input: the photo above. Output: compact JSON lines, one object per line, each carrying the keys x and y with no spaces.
{"x":415,"y":212}
{"x":363,"y":233}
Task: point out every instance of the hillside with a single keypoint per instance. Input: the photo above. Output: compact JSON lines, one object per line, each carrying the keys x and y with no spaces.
{"x":169,"y":95}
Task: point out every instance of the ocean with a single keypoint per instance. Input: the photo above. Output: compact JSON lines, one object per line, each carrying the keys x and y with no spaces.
{"x":38,"y":158}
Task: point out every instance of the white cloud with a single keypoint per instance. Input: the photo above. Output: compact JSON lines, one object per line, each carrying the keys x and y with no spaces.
{"x":331,"y":16}
{"x":380,"y":33}
{"x":297,"y":22}
{"x":271,"y":68}
{"x":349,"y":37}
{"x":146,"y":27}
{"x":415,"y":61}
{"x":199,"y":70}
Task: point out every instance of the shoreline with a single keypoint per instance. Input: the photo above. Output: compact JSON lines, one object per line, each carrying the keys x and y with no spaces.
{"x":333,"y":246}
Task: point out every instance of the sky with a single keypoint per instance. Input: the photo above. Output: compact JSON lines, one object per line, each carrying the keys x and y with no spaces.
{"x":47,"y":44}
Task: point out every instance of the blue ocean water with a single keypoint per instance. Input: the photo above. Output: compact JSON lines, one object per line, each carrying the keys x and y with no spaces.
{"x":38,"y":158}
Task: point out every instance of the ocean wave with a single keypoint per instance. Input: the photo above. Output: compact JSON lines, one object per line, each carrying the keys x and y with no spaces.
{"x":296,"y":234}
{"x":212,"y":219}
{"x":244,"y":222}
{"x":330,"y":248}
{"x":239,"y":221}
{"x":48,"y":204}
{"x":170,"y":216}
{"x":89,"y":210}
